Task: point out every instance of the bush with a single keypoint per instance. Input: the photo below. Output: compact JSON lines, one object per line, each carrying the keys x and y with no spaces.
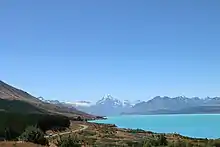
{"x":158,"y":140}
{"x":215,"y":143}
{"x":68,"y":142}
{"x":136,"y":131}
{"x":131,"y":143}
{"x":34,"y":135}
{"x":162,"y":139}
{"x":12,"y":124}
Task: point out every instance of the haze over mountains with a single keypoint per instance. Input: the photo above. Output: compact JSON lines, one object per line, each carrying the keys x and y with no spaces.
{"x":177,"y":105}
{"x":109,"y":106}
{"x":106,"y":106}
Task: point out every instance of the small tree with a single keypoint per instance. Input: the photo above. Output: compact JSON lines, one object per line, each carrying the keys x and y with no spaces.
{"x":68,"y":142}
{"x":162,"y":139}
{"x":33,"y":134}
{"x":216,"y":143}
{"x":7,"y":134}
{"x":181,"y":143}
{"x":155,"y":140}
{"x":79,"y":118}
{"x":150,"y":141}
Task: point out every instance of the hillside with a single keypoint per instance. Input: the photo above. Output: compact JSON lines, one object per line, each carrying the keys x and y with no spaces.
{"x":11,"y":93}
{"x":18,"y":109}
{"x":22,"y":100}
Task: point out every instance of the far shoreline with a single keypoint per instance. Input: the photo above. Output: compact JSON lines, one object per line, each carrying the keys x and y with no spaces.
{"x":168,"y":114}
{"x":153,"y":132}
{"x":102,"y":121}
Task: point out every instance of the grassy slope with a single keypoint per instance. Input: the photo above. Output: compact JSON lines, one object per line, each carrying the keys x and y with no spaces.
{"x":16,"y":144}
{"x":108,"y":135}
{"x":19,"y":109}
{"x":8,"y":92}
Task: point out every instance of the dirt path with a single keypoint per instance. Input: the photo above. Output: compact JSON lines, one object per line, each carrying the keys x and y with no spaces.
{"x":69,"y":132}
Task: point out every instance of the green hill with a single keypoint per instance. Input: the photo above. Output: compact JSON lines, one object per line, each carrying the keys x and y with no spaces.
{"x":18,"y":109}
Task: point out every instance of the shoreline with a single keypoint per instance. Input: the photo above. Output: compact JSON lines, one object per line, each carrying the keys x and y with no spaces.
{"x":111,"y":134}
{"x":161,"y":114}
{"x":139,"y":130}
{"x":96,"y":121}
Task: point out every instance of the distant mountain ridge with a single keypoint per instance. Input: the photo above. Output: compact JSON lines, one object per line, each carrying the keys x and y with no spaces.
{"x":181,"y":104}
{"x":108,"y":105}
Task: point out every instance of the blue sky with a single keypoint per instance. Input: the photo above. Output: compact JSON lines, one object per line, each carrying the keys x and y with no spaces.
{"x":80,"y":50}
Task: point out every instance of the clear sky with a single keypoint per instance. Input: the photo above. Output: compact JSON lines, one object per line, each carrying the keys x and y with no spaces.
{"x":132,"y":49}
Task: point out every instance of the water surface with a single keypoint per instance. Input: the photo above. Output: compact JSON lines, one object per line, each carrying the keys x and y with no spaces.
{"x":193,"y":125}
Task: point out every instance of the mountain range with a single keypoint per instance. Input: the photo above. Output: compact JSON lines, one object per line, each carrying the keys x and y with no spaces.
{"x":108,"y":106}
{"x":177,"y":105}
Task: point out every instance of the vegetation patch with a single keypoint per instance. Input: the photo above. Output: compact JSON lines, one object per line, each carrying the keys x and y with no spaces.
{"x":13,"y":124}
{"x":34,"y":135}
{"x":70,"y":141}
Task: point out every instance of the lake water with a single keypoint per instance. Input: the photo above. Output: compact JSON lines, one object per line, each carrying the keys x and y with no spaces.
{"x":196,"y":125}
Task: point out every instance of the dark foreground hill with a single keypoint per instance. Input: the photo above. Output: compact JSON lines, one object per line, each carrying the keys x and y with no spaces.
{"x":18,"y":109}
{"x":16,"y":115}
{"x":8,"y":92}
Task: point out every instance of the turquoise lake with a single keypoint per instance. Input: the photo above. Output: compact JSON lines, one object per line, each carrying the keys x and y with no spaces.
{"x":195,"y":125}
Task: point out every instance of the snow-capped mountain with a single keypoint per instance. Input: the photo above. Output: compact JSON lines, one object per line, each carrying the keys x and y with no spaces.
{"x":109,"y":100}
{"x":108,"y":106}
{"x":177,"y":105}
{"x":49,"y":101}
{"x":68,"y":104}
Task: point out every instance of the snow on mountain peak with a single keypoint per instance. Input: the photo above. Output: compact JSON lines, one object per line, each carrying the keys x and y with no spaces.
{"x":108,"y":99}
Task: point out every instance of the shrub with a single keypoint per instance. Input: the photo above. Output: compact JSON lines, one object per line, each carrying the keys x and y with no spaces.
{"x":34,"y":135}
{"x":216,"y":143}
{"x":7,"y":134}
{"x":158,"y":140}
{"x":180,"y":143}
{"x":87,"y":133}
{"x":136,"y":131}
{"x":132,"y":143}
{"x":68,"y":142}
{"x":162,"y":139}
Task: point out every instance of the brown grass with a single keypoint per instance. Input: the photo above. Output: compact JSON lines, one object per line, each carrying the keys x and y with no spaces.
{"x":105,"y":135}
{"x":18,"y":144}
